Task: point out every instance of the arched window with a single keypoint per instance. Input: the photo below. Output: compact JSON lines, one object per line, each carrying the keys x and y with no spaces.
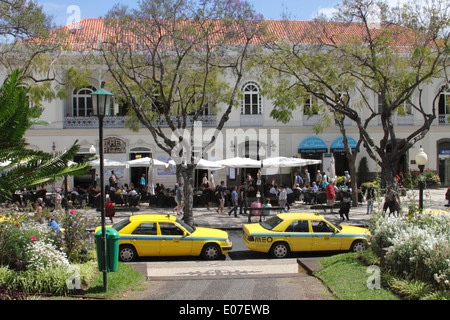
{"x":82,"y":102}
{"x":252,"y":103}
{"x":444,"y":105}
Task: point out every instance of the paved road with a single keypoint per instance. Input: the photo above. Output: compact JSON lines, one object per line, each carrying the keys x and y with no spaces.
{"x":243,"y":275}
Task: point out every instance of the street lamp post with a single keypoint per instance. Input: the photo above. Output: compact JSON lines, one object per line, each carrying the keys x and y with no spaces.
{"x":421,"y":161}
{"x":101,"y":100}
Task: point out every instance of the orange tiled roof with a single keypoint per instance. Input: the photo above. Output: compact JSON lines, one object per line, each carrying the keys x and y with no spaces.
{"x":94,"y":30}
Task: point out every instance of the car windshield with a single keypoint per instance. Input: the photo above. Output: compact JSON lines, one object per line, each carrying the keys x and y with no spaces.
{"x":120,"y":225}
{"x":186,"y":226}
{"x":271,"y":223}
{"x":337,"y":226}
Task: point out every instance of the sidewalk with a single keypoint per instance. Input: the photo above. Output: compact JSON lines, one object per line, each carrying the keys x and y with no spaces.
{"x":204,"y":217}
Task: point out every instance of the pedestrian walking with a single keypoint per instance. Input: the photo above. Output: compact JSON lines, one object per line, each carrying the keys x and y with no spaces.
{"x":390,"y":202}
{"x":179,"y":198}
{"x":234,"y":201}
{"x":142,"y":183}
{"x":243,"y":196}
{"x":331,"y":194}
{"x":221,"y":194}
{"x":282,"y":199}
{"x":307,"y":178}
{"x":447,"y":196}
{"x":370,"y":197}
{"x":318,"y":179}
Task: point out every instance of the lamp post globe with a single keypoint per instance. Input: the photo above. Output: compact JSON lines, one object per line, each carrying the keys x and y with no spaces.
{"x":421,"y":161}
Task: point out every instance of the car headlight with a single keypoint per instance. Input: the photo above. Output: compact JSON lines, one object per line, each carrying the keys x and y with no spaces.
{"x":228,"y":241}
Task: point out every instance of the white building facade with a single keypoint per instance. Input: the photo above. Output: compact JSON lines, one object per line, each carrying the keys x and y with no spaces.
{"x":72,"y":119}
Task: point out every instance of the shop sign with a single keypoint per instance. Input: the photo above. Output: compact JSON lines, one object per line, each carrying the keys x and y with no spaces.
{"x":114,"y":145}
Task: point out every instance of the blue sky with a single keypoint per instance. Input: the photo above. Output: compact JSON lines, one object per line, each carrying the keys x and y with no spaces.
{"x":270,"y":9}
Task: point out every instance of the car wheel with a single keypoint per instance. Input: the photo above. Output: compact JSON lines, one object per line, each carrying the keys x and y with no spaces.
{"x":279,"y":250}
{"x":211,"y":251}
{"x":127,"y":253}
{"x":358,"y":246}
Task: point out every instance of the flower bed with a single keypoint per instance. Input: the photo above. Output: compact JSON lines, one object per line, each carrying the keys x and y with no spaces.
{"x":418,"y":246}
{"x":37,"y":258}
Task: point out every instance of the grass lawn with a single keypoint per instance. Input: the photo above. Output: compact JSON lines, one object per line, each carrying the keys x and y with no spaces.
{"x":124,"y":278}
{"x":348,"y":278}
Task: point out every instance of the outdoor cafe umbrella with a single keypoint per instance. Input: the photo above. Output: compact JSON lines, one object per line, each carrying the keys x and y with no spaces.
{"x":285,"y":162}
{"x":147,"y":162}
{"x":108,"y":163}
{"x":239,"y":162}
{"x":203,"y":164}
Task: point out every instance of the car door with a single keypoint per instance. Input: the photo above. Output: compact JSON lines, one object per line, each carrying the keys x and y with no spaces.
{"x":175,"y":241}
{"x":298,"y":236}
{"x":146,"y":240}
{"x":324,"y":237}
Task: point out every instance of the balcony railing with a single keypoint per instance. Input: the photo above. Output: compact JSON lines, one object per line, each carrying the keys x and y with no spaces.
{"x":118,"y":122}
{"x":444,"y":119}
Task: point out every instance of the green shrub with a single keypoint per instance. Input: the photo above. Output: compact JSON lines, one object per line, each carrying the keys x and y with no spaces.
{"x":77,"y":239}
{"x":430,"y":179}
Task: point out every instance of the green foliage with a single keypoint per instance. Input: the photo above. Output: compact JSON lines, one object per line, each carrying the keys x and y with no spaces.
{"x":363,"y":171}
{"x":347,"y":276}
{"x":77,"y":240}
{"x":124,"y":278}
{"x":429,"y":178}
{"x":23,"y":167}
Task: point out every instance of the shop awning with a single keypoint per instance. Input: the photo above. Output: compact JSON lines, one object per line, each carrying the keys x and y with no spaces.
{"x":338,"y":144}
{"x":313,"y":145}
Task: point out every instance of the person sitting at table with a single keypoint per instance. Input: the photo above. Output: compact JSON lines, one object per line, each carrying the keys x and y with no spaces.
{"x":256,"y":204}
{"x":274,"y":190}
{"x":314,"y":187}
{"x":266,"y":212}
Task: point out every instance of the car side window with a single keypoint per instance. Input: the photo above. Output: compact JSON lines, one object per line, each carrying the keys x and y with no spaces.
{"x":298,"y":226}
{"x":321,"y":226}
{"x":170,"y":229}
{"x":148,"y":228}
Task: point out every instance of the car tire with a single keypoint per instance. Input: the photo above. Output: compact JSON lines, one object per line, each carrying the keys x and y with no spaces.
{"x":211,"y":251}
{"x":358,"y":246}
{"x":127,"y":253}
{"x":279,"y":250}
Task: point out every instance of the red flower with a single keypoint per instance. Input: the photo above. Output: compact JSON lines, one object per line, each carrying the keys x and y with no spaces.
{"x":33,"y":238}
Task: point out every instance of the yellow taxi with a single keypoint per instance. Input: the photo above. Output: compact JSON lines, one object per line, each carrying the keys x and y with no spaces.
{"x":288,"y":232}
{"x":166,"y":235}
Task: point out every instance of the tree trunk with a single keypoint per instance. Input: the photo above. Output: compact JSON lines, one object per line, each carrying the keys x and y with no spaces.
{"x":188,"y":174}
{"x":388,"y":172}
{"x":354,"y":181}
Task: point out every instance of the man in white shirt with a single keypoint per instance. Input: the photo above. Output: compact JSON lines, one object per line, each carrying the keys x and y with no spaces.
{"x":282,"y":198}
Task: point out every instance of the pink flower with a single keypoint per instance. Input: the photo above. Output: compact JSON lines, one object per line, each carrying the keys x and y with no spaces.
{"x":33,"y":238}
{"x":72,"y":211}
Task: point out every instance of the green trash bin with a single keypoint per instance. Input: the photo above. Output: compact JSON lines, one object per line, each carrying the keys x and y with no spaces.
{"x":112,"y":249}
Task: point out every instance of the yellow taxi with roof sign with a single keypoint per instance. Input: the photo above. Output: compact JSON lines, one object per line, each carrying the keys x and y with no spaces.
{"x":166,"y":235}
{"x":288,"y":232}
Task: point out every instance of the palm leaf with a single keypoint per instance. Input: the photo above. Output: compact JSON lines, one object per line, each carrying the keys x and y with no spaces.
{"x":23,"y":167}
